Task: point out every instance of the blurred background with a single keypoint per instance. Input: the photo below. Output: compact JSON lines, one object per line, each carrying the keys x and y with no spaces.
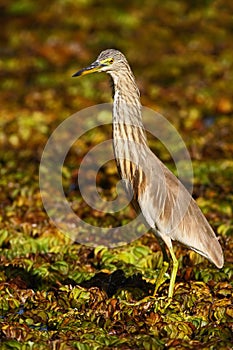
{"x":181,"y":53}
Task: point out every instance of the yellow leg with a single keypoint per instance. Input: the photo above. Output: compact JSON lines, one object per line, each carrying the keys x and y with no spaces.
{"x":160,"y":279}
{"x":174,"y":272}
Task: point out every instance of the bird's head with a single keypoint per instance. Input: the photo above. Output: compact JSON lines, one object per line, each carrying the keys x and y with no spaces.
{"x":108,"y":61}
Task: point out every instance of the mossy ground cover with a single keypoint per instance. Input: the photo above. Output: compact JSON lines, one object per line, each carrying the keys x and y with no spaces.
{"x":57,"y":294}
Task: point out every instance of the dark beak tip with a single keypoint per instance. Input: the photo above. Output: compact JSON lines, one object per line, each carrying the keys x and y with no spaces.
{"x":77,"y":74}
{"x":90,"y":69}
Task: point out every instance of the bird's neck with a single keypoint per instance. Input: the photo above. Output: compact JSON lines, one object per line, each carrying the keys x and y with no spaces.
{"x":129,"y":137}
{"x":127,"y":107}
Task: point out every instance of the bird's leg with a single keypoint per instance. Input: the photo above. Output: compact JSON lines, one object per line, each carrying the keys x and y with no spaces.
{"x":160,"y":279}
{"x":165,"y":240}
{"x":162,"y":246}
{"x":174,"y":272}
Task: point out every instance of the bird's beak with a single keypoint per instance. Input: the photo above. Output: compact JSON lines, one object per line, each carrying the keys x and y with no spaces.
{"x":94,"y":67}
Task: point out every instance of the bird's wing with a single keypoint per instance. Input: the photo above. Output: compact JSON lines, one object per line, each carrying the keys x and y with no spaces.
{"x":168,"y":207}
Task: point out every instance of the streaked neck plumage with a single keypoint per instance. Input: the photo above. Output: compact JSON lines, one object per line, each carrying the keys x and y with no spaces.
{"x":127,"y":106}
{"x":129,"y":137}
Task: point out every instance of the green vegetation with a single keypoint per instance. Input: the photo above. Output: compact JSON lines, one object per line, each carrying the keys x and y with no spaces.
{"x":56,"y":294}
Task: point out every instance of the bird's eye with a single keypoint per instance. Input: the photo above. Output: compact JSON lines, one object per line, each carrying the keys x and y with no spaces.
{"x":111,"y":60}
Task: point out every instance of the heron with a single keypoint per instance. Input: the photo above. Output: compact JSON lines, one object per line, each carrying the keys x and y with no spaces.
{"x":166,"y":206}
